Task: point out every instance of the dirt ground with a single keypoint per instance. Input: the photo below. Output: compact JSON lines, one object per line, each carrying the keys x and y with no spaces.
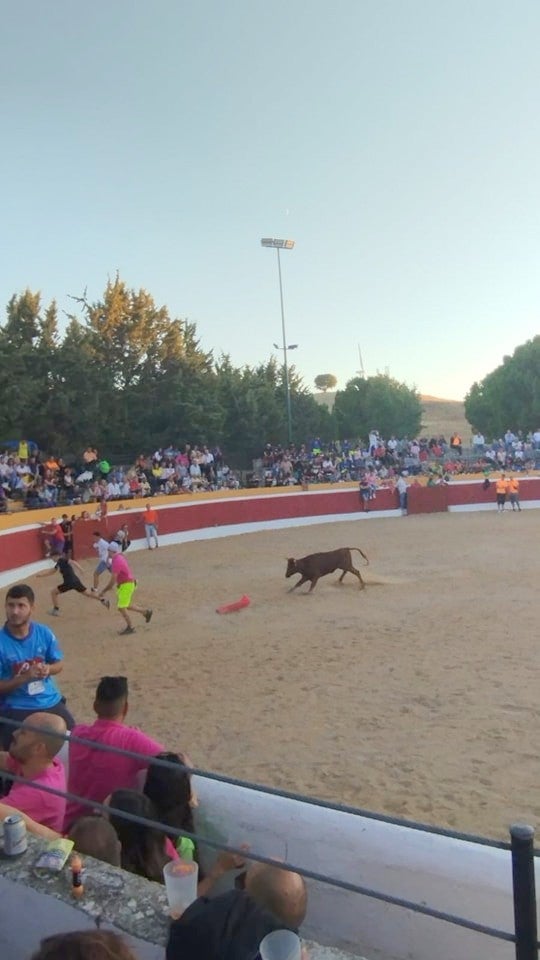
{"x":415,"y":697}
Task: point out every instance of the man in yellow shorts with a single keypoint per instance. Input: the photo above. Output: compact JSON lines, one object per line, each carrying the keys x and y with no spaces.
{"x":126,"y":584}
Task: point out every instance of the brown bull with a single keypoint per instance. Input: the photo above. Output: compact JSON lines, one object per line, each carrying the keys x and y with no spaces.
{"x":317,"y":565}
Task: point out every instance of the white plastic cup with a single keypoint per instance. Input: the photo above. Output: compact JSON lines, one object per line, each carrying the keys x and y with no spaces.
{"x":181,"y":878}
{"x":281,"y":945}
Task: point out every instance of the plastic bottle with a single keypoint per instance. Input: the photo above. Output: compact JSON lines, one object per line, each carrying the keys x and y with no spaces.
{"x":77,"y":886}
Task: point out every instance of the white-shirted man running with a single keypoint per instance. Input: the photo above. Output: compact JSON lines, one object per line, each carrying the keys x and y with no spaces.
{"x":102,"y":547}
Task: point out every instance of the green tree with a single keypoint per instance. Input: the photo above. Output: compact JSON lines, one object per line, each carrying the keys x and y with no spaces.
{"x":253,"y":408}
{"x":23,"y":367}
{"x":157,"y":384}
{"x":380,"y":403}
{"x":311,"y":419}
{"x":510,"y":395}
{"x":176,"y":400}
{"x":81,"y":398}
{"x":325,"y":381}
{"x":128,"y":331}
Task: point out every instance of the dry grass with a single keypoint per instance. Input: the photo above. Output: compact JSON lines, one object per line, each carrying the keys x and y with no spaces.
{"x":440,"y":416}
{"x":443,"y":417}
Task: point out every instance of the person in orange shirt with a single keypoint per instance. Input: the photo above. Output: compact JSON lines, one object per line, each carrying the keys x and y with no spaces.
{"x":500,"y":490}
{"x":150,"y":520}
{"x":455,"y":443}
{"x":512,"y":490}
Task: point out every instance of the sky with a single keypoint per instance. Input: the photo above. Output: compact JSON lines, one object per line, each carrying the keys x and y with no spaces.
{"x":396,"y":141}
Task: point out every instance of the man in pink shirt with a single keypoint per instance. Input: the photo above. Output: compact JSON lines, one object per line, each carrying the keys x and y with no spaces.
{"x":122,"y":576}
{"x":95,"y":774}
{"x":32,"y":755}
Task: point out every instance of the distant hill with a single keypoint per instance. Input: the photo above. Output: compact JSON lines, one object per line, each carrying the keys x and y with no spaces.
{"x":443,"y":417}
{"x":440,"y":416}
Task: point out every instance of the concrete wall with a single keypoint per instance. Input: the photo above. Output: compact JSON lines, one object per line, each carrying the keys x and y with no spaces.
{"x":33,"y":907}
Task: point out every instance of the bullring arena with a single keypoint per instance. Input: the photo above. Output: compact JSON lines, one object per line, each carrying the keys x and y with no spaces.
{"x":415,"y":697}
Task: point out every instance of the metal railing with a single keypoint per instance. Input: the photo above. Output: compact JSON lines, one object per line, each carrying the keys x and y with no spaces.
{"x":521,"y":846}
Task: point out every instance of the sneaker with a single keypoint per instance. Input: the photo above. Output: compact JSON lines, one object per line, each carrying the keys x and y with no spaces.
{"x":126,"y":631}
{"x":148,"y":615}
{"x":55,"y":612}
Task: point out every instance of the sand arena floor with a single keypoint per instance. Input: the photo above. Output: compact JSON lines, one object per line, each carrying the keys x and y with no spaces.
{"x":416,"y":697}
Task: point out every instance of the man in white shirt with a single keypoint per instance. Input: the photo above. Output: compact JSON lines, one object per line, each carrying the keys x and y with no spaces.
{"x":102,"y":547}
{"x":402,"y":490}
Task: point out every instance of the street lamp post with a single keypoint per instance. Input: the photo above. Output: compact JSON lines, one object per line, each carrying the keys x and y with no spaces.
{"x":283,"y":245}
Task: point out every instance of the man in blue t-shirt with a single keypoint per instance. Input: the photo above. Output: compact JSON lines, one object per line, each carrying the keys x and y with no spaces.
{"x":29,"y":658}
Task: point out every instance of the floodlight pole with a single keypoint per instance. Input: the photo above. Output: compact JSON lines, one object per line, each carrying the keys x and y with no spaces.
{"x":285,"y":362}
{"x":286,"y":245}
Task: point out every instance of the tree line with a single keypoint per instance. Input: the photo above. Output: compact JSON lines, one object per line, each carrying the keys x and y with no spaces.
{"x":127,"y":377}
{"x":509,"y":397}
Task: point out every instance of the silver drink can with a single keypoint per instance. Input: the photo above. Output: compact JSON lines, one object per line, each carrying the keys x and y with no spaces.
{"x":15,"y":839}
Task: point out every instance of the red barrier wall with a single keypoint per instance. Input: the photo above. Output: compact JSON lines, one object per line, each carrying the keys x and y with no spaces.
{"x":23,"y":546}
{"x":195,"y":515}
{"x":18,"y":547}
{"x":427,"y":499}
{"x":473,"y":492}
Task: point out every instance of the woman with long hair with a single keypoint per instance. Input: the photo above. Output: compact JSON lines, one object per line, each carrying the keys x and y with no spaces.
{"x":144,"y":849}
{"x":170,"y":792}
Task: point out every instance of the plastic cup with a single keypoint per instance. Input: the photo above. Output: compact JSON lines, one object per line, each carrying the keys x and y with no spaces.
{"x":181,"y":877}
{"x":281,"y":945}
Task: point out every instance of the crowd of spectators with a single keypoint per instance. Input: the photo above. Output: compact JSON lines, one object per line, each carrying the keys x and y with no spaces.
{"x":112,"y":787}
{"x":379,"y":461}
{"x":44,"y":480}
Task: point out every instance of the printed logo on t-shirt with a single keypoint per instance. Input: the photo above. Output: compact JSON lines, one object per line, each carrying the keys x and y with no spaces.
{"x":18,"y":668}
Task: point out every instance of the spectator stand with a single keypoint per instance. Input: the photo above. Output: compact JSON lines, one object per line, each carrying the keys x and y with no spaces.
{"x":391,"y":888}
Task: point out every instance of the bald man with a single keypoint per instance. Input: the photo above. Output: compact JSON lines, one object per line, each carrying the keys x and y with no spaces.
{"x":32,"y":755}
{"x":281,"y":892}
{"x":232,"y":925}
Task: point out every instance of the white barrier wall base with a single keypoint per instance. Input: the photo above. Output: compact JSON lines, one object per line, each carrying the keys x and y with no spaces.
{"x":461,"y":878}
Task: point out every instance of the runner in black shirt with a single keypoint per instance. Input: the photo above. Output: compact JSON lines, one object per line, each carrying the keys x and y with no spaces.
{"x":70,"y":581}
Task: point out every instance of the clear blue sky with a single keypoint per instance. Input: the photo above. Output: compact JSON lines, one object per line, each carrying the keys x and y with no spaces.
{"x":397,"y":141}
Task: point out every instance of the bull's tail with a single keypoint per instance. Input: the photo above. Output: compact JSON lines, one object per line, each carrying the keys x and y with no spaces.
{"x":362,"y":552}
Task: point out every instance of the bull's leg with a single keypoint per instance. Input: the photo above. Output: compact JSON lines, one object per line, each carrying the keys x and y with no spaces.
{"x":342,"y":575}
{"x":357,"y":574}
{"x":299,"y":583}
{"x":313,"y":583}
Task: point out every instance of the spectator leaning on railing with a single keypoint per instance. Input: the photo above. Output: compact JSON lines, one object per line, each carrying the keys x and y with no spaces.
{"x":233,"y":924}
{"x":33,"y":755}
